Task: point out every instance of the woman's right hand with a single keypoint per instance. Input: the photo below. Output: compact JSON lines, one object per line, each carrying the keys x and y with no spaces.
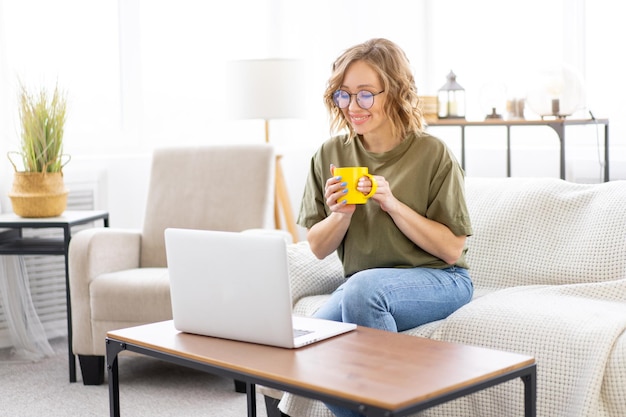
{"x":325,"y":236}
{"x":333,"y":191}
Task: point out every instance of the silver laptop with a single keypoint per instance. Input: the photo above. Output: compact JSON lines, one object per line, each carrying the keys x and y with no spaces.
{"x":236,"y":286}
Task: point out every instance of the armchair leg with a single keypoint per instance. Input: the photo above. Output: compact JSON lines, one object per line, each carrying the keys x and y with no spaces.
{"x":240,"y":386}
{"x":92,"y":369}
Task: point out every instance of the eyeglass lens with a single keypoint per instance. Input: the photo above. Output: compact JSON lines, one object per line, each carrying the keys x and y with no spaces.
{"x":364,"y":98}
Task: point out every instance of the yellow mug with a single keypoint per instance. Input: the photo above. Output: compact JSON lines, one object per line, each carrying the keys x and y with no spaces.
{"x":351,"y":175}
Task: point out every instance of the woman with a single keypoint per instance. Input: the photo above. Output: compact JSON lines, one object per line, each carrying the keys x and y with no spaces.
{"x":403,"y":252}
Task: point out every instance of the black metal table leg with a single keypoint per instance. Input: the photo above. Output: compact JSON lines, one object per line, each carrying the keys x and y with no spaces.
{"x":508,"y":151}
{"x":530,"y":394}
{"x":251,"y":395}
{"x":113,"y":349}
{"x":68,"y":304}
{"x":606,"y":152}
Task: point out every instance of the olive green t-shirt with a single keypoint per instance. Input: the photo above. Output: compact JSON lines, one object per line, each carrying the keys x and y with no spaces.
{"x":422,"y":173}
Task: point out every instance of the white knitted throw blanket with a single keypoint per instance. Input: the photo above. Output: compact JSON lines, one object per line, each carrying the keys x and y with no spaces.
{"x":582,"y":344}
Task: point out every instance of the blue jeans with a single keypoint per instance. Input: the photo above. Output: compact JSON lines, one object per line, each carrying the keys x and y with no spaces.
{"x":397,"y":299}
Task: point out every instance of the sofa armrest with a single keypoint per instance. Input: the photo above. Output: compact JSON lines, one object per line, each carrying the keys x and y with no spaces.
{"x":93,"y":252}
{"x":311,"y":276}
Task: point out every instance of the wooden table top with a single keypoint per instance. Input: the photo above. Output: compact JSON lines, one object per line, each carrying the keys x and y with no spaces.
{"x":374,"y":367}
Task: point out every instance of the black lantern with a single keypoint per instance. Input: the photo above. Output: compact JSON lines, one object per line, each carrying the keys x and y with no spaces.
{"x":451,"y":99}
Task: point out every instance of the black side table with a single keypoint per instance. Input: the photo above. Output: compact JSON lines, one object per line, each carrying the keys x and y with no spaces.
{"x":12,"y":242}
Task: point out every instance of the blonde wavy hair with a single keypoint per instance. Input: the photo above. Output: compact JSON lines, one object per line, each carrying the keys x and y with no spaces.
{"x":402,"y":104}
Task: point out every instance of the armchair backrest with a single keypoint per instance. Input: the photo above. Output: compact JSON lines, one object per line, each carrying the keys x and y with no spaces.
{"x":219,"y":187}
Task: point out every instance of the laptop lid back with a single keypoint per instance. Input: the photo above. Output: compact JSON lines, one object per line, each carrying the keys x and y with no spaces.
{"x":230,"y":285}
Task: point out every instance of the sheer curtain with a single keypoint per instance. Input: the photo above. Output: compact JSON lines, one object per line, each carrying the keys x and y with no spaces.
{"x":26,"y":333}
{"x":25,"y":330}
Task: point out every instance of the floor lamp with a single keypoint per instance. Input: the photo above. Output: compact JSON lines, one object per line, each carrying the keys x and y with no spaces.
{"x":268,"y":89}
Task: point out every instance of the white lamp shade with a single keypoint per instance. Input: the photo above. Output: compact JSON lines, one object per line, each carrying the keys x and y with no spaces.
{"x":266,"y":89}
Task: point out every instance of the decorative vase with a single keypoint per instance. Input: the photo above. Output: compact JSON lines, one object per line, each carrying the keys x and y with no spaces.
{"x":38,"y":194}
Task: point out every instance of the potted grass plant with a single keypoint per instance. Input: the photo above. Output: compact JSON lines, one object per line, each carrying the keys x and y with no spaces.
{"x":38,"y":188}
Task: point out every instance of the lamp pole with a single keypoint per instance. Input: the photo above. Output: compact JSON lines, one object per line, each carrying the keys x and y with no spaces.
{"x":281,"y":197}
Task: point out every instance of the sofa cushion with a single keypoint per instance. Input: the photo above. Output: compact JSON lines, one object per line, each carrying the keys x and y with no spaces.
{"x":309,"y":275}
{"x":137,"y":295}
{"x":531,"y":231}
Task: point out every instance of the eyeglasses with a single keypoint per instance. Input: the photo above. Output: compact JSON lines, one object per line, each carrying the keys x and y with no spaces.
{"x":364,"y":98}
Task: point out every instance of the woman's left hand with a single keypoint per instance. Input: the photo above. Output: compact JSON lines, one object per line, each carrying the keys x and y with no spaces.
{"x":383,"y":195}
{"x":433,"y":237}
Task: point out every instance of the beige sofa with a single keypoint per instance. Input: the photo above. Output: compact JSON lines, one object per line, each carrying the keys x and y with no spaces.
{"x":548,"y":260}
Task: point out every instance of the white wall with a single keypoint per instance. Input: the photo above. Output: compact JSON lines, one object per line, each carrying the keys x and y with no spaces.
{"x":148,"y":73}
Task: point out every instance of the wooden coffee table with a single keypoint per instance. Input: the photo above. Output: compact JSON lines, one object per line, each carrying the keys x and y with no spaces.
{"x":376,"y":372}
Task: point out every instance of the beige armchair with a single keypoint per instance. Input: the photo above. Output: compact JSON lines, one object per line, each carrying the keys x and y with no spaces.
{"x":118,"y":278}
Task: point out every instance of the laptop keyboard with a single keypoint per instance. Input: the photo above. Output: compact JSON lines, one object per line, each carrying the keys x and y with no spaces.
{"x":301,"y":332}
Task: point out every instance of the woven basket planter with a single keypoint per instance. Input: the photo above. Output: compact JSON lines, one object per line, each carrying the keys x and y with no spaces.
{"x":38,"y":194}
